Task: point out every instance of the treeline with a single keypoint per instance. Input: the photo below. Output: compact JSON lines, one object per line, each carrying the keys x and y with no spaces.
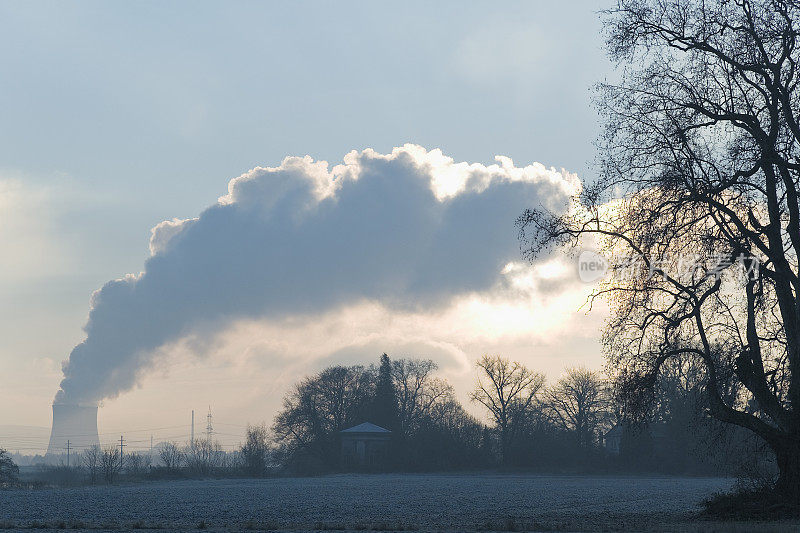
{"x":580,"y":423}
{"x":198,"y":459}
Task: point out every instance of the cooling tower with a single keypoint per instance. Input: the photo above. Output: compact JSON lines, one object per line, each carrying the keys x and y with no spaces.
{"x":74,"y":423}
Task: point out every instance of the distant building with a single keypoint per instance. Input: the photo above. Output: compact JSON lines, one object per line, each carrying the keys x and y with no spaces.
{"x":74,"y":426}
{"x":365,"y":446}
{"x":612,"y":439}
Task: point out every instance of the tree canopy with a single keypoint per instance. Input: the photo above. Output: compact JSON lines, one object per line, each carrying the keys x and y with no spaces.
{"x":698,"y":185}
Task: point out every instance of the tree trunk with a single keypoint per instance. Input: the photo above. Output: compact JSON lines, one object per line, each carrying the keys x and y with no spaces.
{"x":504,"y":445}
{"x":787,"y":455}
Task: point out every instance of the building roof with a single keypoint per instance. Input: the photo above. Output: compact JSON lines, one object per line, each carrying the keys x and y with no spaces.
{"x":366,"y":427}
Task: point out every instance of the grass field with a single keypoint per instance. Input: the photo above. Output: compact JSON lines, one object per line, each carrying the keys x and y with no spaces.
{"x":375,"y":502}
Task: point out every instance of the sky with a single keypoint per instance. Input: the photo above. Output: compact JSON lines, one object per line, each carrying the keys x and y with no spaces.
{"x":118,"y":117}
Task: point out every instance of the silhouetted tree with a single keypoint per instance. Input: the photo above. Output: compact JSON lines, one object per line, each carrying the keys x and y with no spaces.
{"x":110,"y":463}
{"x":447,"y":438}
{"x":487,"y":445}
{"x":306,"y":429}
{"x":137,"y":464}
{"x":507,"y":389}
{"x":384,"y":404}
{"x":255,"y":450}
{"x":680,"y":433}
{"x":204,"y":457}
{"x":171,"y":455}
{"x":699,"y":161}
{"x":579,"y":403}
{"x":9,"y":471}
{"x":91,"y":461}
{"x":417,"y":392}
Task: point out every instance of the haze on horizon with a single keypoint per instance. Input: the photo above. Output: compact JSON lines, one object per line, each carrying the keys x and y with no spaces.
{"x":119,"y":120}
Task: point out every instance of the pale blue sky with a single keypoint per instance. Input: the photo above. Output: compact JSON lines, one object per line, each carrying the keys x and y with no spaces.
{"x":114,"y":117}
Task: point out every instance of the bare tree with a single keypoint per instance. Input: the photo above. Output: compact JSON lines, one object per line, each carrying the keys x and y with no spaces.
{"x":91,"y":461}
{"x":171,"y":455}
{"x":110,"y":463}
{"x":137,"y":463}
{"x":699,"y":159}
{"x":507,"y":389}
{"x":320,"y":406}
{"x":255,"y":450}
{"x":578,"y":403}
{"x":417,"y":391}
{"x":205,"y":456}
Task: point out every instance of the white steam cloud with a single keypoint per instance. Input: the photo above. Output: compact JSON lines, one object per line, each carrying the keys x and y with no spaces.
{"x":411,"y":230}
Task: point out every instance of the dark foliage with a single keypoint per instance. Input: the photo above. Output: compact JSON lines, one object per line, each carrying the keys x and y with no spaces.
{"x":9,"y":471}
{"x":561,"y":428}
{"x":759,"y":504}
{"x":384,"y":405}
{"x":255,"y":451}
{"x":698,"y":164}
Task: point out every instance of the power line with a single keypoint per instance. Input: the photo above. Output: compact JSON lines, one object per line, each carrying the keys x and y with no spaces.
{"x":28,"y":443}
{"x":71,"y":435}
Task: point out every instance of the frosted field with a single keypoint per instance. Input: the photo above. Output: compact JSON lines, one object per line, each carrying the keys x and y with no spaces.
{"x":422,"y":502}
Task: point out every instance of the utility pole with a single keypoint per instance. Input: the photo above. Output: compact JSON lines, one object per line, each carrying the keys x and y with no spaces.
{"x":151,"y":445}
{"x":209,"y":427}
{"x":120,"y":452}
{"x":192,"y":441}
{"x":67,"y":453}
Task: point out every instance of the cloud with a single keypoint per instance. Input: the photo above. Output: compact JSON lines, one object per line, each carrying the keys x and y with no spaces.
{"x":412,"y":230}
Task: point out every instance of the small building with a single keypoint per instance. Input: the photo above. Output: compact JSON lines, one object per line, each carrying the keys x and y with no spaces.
{"x":365,"y":446}
{"x":612,"y":439}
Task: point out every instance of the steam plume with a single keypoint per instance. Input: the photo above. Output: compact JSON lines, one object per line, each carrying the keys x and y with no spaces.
{"x":411,"y":229}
